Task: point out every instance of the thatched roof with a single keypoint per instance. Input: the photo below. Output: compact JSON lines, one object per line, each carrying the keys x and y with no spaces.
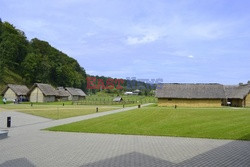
{"x":117,"y":99}
{"x":237,"y":92}
{"x":62,"y":92}
{"x":190,"y":91}
{"x":75,"y":91}
{"x":19,"y":90}
{"x":46,"y":89}
{"x":80,"y":92}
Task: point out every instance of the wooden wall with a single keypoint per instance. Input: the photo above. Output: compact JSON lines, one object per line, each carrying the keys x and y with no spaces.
{"x":247,"y":101}
{"x":10,"y":95}
{"x":49,"y":98}
{"x":36,"y":96}
{"x":189,"y":102}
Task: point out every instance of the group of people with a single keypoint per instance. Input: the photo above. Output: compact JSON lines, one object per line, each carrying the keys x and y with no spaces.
{"x":15,"y":101}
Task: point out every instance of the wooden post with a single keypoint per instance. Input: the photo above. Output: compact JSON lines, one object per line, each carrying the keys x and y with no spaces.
{"x":8,"y":122}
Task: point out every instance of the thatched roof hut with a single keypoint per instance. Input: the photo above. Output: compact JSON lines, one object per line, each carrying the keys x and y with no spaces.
{"x":12,"y":92}
{"x":80,"y":92}
{"x":41,"y":92}
{"x":75,"y":94}
{"x":63,"y":95}
{"x":62,"y":92}
{"x":17,"y":89}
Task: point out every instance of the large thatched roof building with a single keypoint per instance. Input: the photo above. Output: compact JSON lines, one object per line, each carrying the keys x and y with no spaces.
{"x":13,"y":92}
{"x":238,"y":96}
{"x":75,"y":94}
{"x":40,"y":92}
{"x":193,"y":95}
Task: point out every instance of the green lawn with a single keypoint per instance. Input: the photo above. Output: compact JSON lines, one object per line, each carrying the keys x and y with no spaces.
{"x":217,"y":123}
{"x":56,"y":111}
{"x":127,"y":99}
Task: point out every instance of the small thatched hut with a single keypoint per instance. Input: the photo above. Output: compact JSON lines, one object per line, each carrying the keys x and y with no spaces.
{"x":40,"y":92}
{"x":15,"y":92}
{"x":190,"y":95}
{"x":75,"y":94}
{"x":62,"y":94}
{"x":81,"y":94}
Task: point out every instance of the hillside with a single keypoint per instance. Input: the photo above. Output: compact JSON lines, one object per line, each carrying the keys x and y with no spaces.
{"x":27,"y":62}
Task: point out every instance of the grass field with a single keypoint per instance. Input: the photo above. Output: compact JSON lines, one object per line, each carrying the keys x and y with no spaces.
{"x":57,"y":111}
{"x":127,"y":99}
{"x":216,"y":123}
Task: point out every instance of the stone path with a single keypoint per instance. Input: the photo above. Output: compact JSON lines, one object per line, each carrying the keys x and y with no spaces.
{"x":27,"y":145}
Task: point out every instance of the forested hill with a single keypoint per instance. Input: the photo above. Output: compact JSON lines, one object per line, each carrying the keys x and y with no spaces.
{"x":28,"y":62}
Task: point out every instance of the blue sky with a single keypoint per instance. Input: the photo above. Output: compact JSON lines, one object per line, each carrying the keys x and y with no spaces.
{"x":179,"y":41}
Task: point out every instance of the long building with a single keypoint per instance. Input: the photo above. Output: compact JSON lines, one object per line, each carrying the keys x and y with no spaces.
{"x":190,"y":95}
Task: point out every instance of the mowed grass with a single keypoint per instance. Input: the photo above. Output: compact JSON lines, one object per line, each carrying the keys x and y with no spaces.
{"x":57,"y":111}
{"x":216,"y":123}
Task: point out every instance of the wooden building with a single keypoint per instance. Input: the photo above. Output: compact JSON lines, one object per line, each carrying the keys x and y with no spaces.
{"x":15,"y":92}
{"x":62,"y":94}
{"x":190,"y":95}
{"x":40,"y":92}
{"x":238,"y":96}
{"x":81,"y":94}
{"x":75,"y":94}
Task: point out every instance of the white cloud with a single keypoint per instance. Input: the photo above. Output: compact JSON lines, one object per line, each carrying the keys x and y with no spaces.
{"x":190,"y":56}
{"x":141,"y":34}
{"x":148,"y":38}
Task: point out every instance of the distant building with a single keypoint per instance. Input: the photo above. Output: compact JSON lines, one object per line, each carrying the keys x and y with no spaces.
{"x":128,"y":93}
{"x":136,"y":92}
{"x":81,"y":94}
{"x":75,"y":94}
{"x":62,"y":94}
{"x":15,"y":92}
{"x":118,"y":99}
{"x":190,"y":95}
{"x":40,"y":92}
{"x":131,"y":93}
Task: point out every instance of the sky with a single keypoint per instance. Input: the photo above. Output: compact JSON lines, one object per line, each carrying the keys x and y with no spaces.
{"x":178,"y":41}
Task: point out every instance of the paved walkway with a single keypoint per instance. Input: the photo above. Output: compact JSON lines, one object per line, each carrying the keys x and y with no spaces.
{"x":27,"y":145}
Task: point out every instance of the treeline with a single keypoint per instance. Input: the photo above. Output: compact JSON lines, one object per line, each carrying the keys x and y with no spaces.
{"x":35,"y":61}
{"x":128,"y":85}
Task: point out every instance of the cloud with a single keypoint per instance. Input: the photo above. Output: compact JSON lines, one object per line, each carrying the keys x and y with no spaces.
{"x":143,"y":34}
{"x":142,"y":40}
{"x":190,"y":56}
